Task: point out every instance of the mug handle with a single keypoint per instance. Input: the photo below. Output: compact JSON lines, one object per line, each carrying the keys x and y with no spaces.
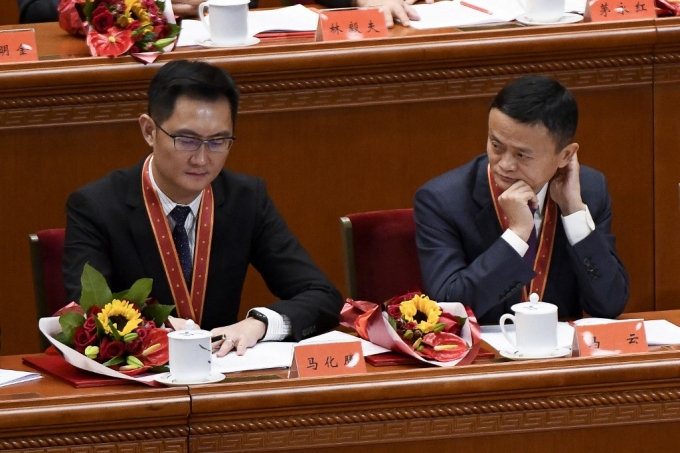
{"x":504,"y":318}
{"x":201,"y":14}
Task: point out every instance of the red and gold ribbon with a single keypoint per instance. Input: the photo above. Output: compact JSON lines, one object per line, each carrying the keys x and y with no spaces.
{"x":545,"y":241}
{"x":188,"y":306}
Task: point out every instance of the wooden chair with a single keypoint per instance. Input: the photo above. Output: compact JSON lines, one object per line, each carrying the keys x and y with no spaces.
{"x":47,"y":255}
{"x":380,"y":254}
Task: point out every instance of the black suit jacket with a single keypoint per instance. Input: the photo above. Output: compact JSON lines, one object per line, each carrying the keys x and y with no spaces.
{"x":107,"y":226}
{"x":463,"y":258}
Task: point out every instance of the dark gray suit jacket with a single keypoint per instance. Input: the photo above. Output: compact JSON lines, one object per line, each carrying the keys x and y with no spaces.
{"x":107,"y":226}
{"x":463,"y":258}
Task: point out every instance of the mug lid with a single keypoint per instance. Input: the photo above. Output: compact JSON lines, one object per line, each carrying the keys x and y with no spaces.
{"x":227,"y":2}
{"x":534,"y":307}
{"x":188,"y":334}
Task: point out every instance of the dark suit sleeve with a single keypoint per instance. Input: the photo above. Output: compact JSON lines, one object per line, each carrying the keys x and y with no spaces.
{"x":601,"y":276}
{"x":306,"y":296}
{"x":448,"y":273}
{"x":86,"y":242}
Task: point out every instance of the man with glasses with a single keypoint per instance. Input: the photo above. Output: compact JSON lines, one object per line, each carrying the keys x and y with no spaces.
{"x":180,"y":218}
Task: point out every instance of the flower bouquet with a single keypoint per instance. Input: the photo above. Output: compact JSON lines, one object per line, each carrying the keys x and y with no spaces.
{"x":142,"y":28}
{"x":112,"y":334}
{"x":443,"y":334}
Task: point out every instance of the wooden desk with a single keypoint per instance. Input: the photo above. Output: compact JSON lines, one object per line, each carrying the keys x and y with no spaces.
{"x":336,"y":128}
{"x":626,"y":403}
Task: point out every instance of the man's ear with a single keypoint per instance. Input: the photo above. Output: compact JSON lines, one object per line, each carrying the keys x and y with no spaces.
{"x":148,"y":129}
{"x":567,"y":153}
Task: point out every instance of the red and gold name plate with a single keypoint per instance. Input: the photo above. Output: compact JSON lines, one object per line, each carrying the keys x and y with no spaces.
{"x":18,"y":46}
{"x":609,"y":338}
{"x":611,"y":10}
{"x":328,"y":359}
{"x":351,"y":24}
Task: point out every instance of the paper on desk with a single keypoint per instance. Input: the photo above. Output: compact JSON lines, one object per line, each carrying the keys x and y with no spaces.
{"x":291,"y":18}
{"x":453,"y":14}
{"x":264,"y":355}
{"x":493,"y":335}
{"x":9,"y":377}
{"x":335,"y":336}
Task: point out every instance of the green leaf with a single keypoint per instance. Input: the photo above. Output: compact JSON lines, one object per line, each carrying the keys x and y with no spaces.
{"x":88,"y":8}
{"x":461,"y":320}
{"x":114,"y":361}
{"x":63,"y":339}
{"x":157,"y":313}
{"x":161,"y":43}
{"x":114,"y":331}
{"x":393,"y":322}
{"x":159,"y":369}
{"x":140,"y":291}
{"x":120,"y":296}
{"x":95,"y":290}
{"x":69,"y":322}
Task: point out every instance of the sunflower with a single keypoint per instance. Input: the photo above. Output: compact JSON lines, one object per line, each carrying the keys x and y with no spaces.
{"x":123,"y":315}
{"x":421,"y":310}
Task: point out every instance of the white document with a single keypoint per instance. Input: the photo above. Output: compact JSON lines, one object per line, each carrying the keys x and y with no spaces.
{"x":454,"y":14}
{"x":9,"y":377}
{"x":493,"y":335}
{"x":291,"y":18}
{"x":264,"y":355}
{"x":335,"y":336}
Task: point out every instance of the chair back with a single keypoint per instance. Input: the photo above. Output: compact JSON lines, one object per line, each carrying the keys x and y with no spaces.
{"x":47,"y":255}
{"x":380,"y":254}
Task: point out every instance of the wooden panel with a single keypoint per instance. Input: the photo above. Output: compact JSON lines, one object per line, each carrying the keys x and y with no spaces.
{"x":9,"y":12}
{"x":332,"y":128}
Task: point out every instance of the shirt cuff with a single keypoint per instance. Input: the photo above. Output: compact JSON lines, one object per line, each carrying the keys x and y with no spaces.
{"x":515,"y":242}
{"x":278,"y":325}
{"x":578,"y":226}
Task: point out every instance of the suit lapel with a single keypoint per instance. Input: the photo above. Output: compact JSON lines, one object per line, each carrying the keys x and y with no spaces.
{"x":486,"y":220}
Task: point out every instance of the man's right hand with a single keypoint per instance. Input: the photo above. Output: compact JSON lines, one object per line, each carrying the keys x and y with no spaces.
{"x":515,"y":202}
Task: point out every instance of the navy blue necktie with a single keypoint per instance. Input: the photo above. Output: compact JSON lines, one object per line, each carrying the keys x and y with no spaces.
{"x":179,"y":235}
{"x":530,"y":255}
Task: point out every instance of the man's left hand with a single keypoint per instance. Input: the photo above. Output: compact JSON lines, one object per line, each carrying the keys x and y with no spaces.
{"x":240,"y":336}
{"x":565,"y":188}
{"x":394,"y":9}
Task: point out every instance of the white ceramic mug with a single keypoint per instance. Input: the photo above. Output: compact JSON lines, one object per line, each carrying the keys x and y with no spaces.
{"x":190,"y":355}
{"x":535,"y":328}
{"x":544,"y":10}
{"x":228,"y":22}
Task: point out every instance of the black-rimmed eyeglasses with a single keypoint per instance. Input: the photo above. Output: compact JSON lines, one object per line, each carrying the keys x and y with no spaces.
{"x":191,"y":144}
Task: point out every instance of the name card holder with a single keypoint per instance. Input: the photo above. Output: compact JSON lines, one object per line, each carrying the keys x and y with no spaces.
{"x":611,"y":10}
{"x":17,"y":46}
{"x":327,"y":359}
{"x":610,"y":338}
{"x":351,"y":24}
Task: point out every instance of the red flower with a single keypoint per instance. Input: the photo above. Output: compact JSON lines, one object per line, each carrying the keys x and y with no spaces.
{"x":109,"y":349}
{"x":162,"y":31}
{"x":134,"y":347}
{"x":84,"y":338}
{"x":90,"y":325}
{"x":159,"y":356}
{"x":111,"y":44}
{"x":457,"y":346}
{"x":102,"y":19}
{"x":94,"y":311}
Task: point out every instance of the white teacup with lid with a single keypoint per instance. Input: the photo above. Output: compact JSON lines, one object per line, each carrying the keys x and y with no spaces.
{"x":190,"y":354}
{"x":535,"y":327}
{"x":228,"y":22}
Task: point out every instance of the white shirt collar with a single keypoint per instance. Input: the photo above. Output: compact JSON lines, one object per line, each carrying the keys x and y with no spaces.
{"x":541,"y":199}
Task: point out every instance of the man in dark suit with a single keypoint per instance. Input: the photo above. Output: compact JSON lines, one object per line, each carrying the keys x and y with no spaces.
{"x":480,"y":241}
{"x":181,"y":219}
